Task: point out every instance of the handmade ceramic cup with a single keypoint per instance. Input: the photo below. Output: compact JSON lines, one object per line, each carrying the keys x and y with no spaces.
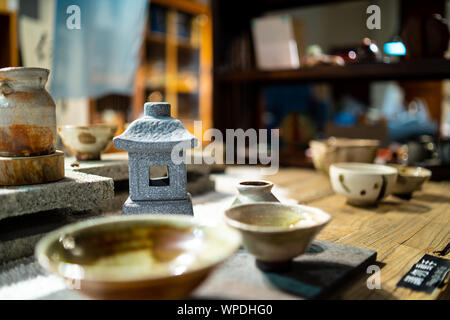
{"x":409,"y":179}
{"x":87,"y":142}
{"x":137,"y":257}
{"x":361,"y":183}
{"x":336,"y":150}
{"x":255,"y":191}
{"x":27,"y":113}
{"x":276,"y":233}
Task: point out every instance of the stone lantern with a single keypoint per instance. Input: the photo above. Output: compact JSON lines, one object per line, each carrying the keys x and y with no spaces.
{"x":149,"y":141}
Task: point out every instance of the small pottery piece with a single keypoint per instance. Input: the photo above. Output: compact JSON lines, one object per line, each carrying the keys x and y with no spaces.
{"x":409,"y":179}
{"x":276,"y":233}
{"x":153,"y":141}
{"x":87,"y":142}
{"x":255,"y":191}
{"x":137,"y":257}
{"x":361,"y":183}
{"x":27,"y":113}
{"x":334,"y":150}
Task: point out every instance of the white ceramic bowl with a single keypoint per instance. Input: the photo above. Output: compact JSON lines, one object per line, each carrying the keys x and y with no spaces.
{"x":87,"y":142}
{"x":362,"y":183}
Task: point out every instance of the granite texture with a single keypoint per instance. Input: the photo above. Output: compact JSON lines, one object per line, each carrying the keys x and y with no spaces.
{"x":150,"y":141}
{"x":115,"y":166}
{"x":140,"y":166}
{"x":155,"y":131}
{"x":177,"y":206}
{"x":325,"y":267}
{"x":111,"y":166}
{"x":78,"y":191}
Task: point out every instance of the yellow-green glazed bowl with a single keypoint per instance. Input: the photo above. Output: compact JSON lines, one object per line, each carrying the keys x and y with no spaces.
{"x":137,"y":257}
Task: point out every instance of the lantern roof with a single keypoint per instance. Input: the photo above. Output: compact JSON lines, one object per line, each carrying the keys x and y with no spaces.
{"x":155,"y":130}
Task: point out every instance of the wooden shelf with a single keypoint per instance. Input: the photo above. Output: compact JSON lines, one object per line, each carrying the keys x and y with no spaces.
{"x":406,"y":70}
{"x":188,"y":6}
{"x":181,"y":43}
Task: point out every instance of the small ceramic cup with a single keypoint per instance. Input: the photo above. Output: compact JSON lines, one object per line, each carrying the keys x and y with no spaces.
{"x":362,"y":184}
{"x":409,"y":179}
{"x":255,"y":191}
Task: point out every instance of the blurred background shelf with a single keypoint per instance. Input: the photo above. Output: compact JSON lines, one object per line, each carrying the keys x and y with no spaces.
{"x":302,"y":101}
{"x":175,"y":66}
{"x":404,"y":70}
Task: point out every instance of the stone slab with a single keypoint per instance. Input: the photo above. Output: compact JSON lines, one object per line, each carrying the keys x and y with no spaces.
{"x":115,"y":166}
{"x":182,"y":206}
{"x":316,"y":274}
{"x":78,"y":191}
{"x":19,"y":235}
{"x":112,"y":165}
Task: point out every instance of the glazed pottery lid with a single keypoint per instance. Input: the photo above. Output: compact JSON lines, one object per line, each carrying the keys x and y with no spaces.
{"x":156,"y":130}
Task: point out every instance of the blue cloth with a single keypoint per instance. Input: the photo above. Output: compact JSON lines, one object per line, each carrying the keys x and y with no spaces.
{"x":101,"y":57}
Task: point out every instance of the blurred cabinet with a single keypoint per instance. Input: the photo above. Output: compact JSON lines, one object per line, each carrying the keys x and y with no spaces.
{"x":177,"y":61}
{"x":175,"y":66}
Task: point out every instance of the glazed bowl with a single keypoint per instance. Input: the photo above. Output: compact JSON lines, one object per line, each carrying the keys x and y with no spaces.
{"x":87,"y":142}
{"x":137,"y":257}
{"x":362,"y":183}
{"x":410,"y":179}
{"x":335,"y":150}
{"x":275,"y":232}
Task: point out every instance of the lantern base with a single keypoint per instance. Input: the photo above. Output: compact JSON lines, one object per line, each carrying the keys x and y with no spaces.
{"x":183,"y":206}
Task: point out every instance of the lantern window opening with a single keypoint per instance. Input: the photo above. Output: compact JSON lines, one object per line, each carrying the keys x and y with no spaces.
{"x":159,"y":176}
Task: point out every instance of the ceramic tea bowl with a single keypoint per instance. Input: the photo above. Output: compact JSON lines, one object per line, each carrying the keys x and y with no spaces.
{"x":336,"y":150}
{"x":362,"y":184}
{"x":87,"y":142}
{"x":409,"y":179}
{"x":275,"y":232}
{"x":137,"y":257}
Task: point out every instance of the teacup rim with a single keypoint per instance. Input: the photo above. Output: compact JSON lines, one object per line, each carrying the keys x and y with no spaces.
{"x":359,"y":168}
{"x":273,"y":229}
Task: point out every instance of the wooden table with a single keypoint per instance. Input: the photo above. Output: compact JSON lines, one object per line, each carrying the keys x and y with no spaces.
{"x":400,"y":231}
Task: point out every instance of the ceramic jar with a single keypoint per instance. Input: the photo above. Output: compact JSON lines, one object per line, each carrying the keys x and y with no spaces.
{"x":27,"y":113}
{"x":255,"y":191}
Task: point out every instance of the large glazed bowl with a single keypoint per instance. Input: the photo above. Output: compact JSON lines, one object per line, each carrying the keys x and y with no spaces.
{"x":87,"y":142}
{"x":335,"y":150}
{"x":275,"y":232}
{"x":137,"y":257}
{"x":362,"y":183}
